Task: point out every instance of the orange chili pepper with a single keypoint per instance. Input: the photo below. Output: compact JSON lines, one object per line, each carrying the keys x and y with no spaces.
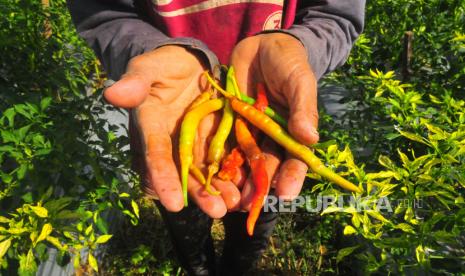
{"x":280,"y":136}
{"x":256,"y":161}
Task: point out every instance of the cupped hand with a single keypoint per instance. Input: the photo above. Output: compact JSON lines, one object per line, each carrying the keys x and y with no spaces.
{"x":159,"y":86}
{"x":280,"y":61}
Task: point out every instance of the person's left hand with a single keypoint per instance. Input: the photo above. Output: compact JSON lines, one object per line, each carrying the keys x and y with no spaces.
{"x":280,"y":62}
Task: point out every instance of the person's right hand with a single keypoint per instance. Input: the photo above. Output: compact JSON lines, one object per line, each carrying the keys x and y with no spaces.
{"x":161,"y":85}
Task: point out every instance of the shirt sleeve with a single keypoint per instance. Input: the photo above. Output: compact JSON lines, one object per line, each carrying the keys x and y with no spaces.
{"x":328,"y":30}
{"x":116,"y":33}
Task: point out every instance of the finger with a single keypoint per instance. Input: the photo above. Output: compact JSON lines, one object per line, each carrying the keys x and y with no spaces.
{"x":290,"y":179}
{"x":243,"y":59}
{"x":229,"y":192}
{"x":213,"y":206}
{"x":164,"y":178}
{"x":273,"y":157}
{"x":147,"y":187}
{"x":129,"y":92}
{"x":301,"y":89}
{"x":240,"y":177}
{"x":205,"y":131}
{"x":247,"y":194}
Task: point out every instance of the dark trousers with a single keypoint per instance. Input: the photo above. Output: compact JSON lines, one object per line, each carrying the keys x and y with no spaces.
{"x":190,"y":234}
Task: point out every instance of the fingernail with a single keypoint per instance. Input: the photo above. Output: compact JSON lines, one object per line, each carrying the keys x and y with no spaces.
{"x":314,"y":131}
{"x":108,"y":83}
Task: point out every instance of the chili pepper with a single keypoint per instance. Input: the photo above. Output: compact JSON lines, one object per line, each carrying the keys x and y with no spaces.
{"x":262,"y":101}
{"x":231,"y":164}
{"x":197,"y":173}
{"x":205,"y":96}
{"x":259,"y":174}
{"x":187,"y":136}
{"x":216,"y":149}
{"x":268,"y":111}
{"x":279,"y":135}
{"x":257,"y":166}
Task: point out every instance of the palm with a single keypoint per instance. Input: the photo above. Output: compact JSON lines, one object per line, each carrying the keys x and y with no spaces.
{"x":169,"y":79}
{"x":280,"y":61}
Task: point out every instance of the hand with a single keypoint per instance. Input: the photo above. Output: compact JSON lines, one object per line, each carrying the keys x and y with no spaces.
{"x":160,"y":85}
{"x":280,"y":61}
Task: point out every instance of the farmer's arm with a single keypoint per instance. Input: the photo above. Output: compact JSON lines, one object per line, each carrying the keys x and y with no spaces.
{"x":328,"y":31}
{"x":290,"y":62}
{"x":117,"y":33}
{"x":158,"y":77}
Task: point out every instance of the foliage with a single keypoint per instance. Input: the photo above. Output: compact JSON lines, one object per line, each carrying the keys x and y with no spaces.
{"x":408,"y":139}
{"x":143,"y":249}
{"x":62,"y":169}
{"x":404,"y":141}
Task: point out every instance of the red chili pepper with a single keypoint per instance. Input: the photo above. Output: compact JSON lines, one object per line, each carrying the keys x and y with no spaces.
{"x":262,"y":101}
{"x":231,"y":164}
{"x":257,"y":166}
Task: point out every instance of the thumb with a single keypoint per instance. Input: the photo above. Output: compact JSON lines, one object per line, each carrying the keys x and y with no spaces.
{"x":302,"y":100}
{"x":129,"y":92}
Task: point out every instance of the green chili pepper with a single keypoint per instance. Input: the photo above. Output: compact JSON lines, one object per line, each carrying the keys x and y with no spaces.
{"x":187,"y":135}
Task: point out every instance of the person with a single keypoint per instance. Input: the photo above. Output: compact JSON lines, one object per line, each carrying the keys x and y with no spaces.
{"x":157,"y":51}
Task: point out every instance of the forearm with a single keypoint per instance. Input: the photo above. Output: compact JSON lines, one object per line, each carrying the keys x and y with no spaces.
{"x":328,"y":31}
{"x":117,"y":33}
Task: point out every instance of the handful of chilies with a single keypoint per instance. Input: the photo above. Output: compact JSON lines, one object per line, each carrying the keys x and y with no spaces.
{"x":262,"y":117}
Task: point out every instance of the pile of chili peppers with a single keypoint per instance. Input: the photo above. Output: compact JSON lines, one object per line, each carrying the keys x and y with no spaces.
{"x":263,"y":118}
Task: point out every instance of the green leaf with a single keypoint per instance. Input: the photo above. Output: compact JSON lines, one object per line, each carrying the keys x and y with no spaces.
{"x":88,"y":230}
{"x":102,"y":225}
{"x":414,"y":137}
{"x":404,"y":158}
{"x":9,"y":136}
{"x":56,"y":242}
{"x":349,"y":230}
{"x":376,"y":215}
{"x":40,"y":211}
{"x":356,"y":220}
{"x":420,"y":254}
{"x":386,"y":162}
{"x":23,"y":131}
{"x":77,"y":260}
{"x":17,"y":231}
{"x":46,"y":230}
{"x":48,"y":193}
{"x":341,"y":254}
{"x":22,"y":170}
{"x":103,"y":238}
{"x":21,"y":109}
{"x":45,"y":102}
{"x":331,"y":209}
{"x":381,"y":174}
{"x":4,"y":246}
{"x":58,"y":204}
{"x":93,"y":262}
{"x":325,"y":144}
{"x":27,"y":264}
{"x":405,"y":227}
{"x":4,"y":220}
{"x":68,"y":214}
{"x":135,"y":208}
{"x":10,"y":115}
